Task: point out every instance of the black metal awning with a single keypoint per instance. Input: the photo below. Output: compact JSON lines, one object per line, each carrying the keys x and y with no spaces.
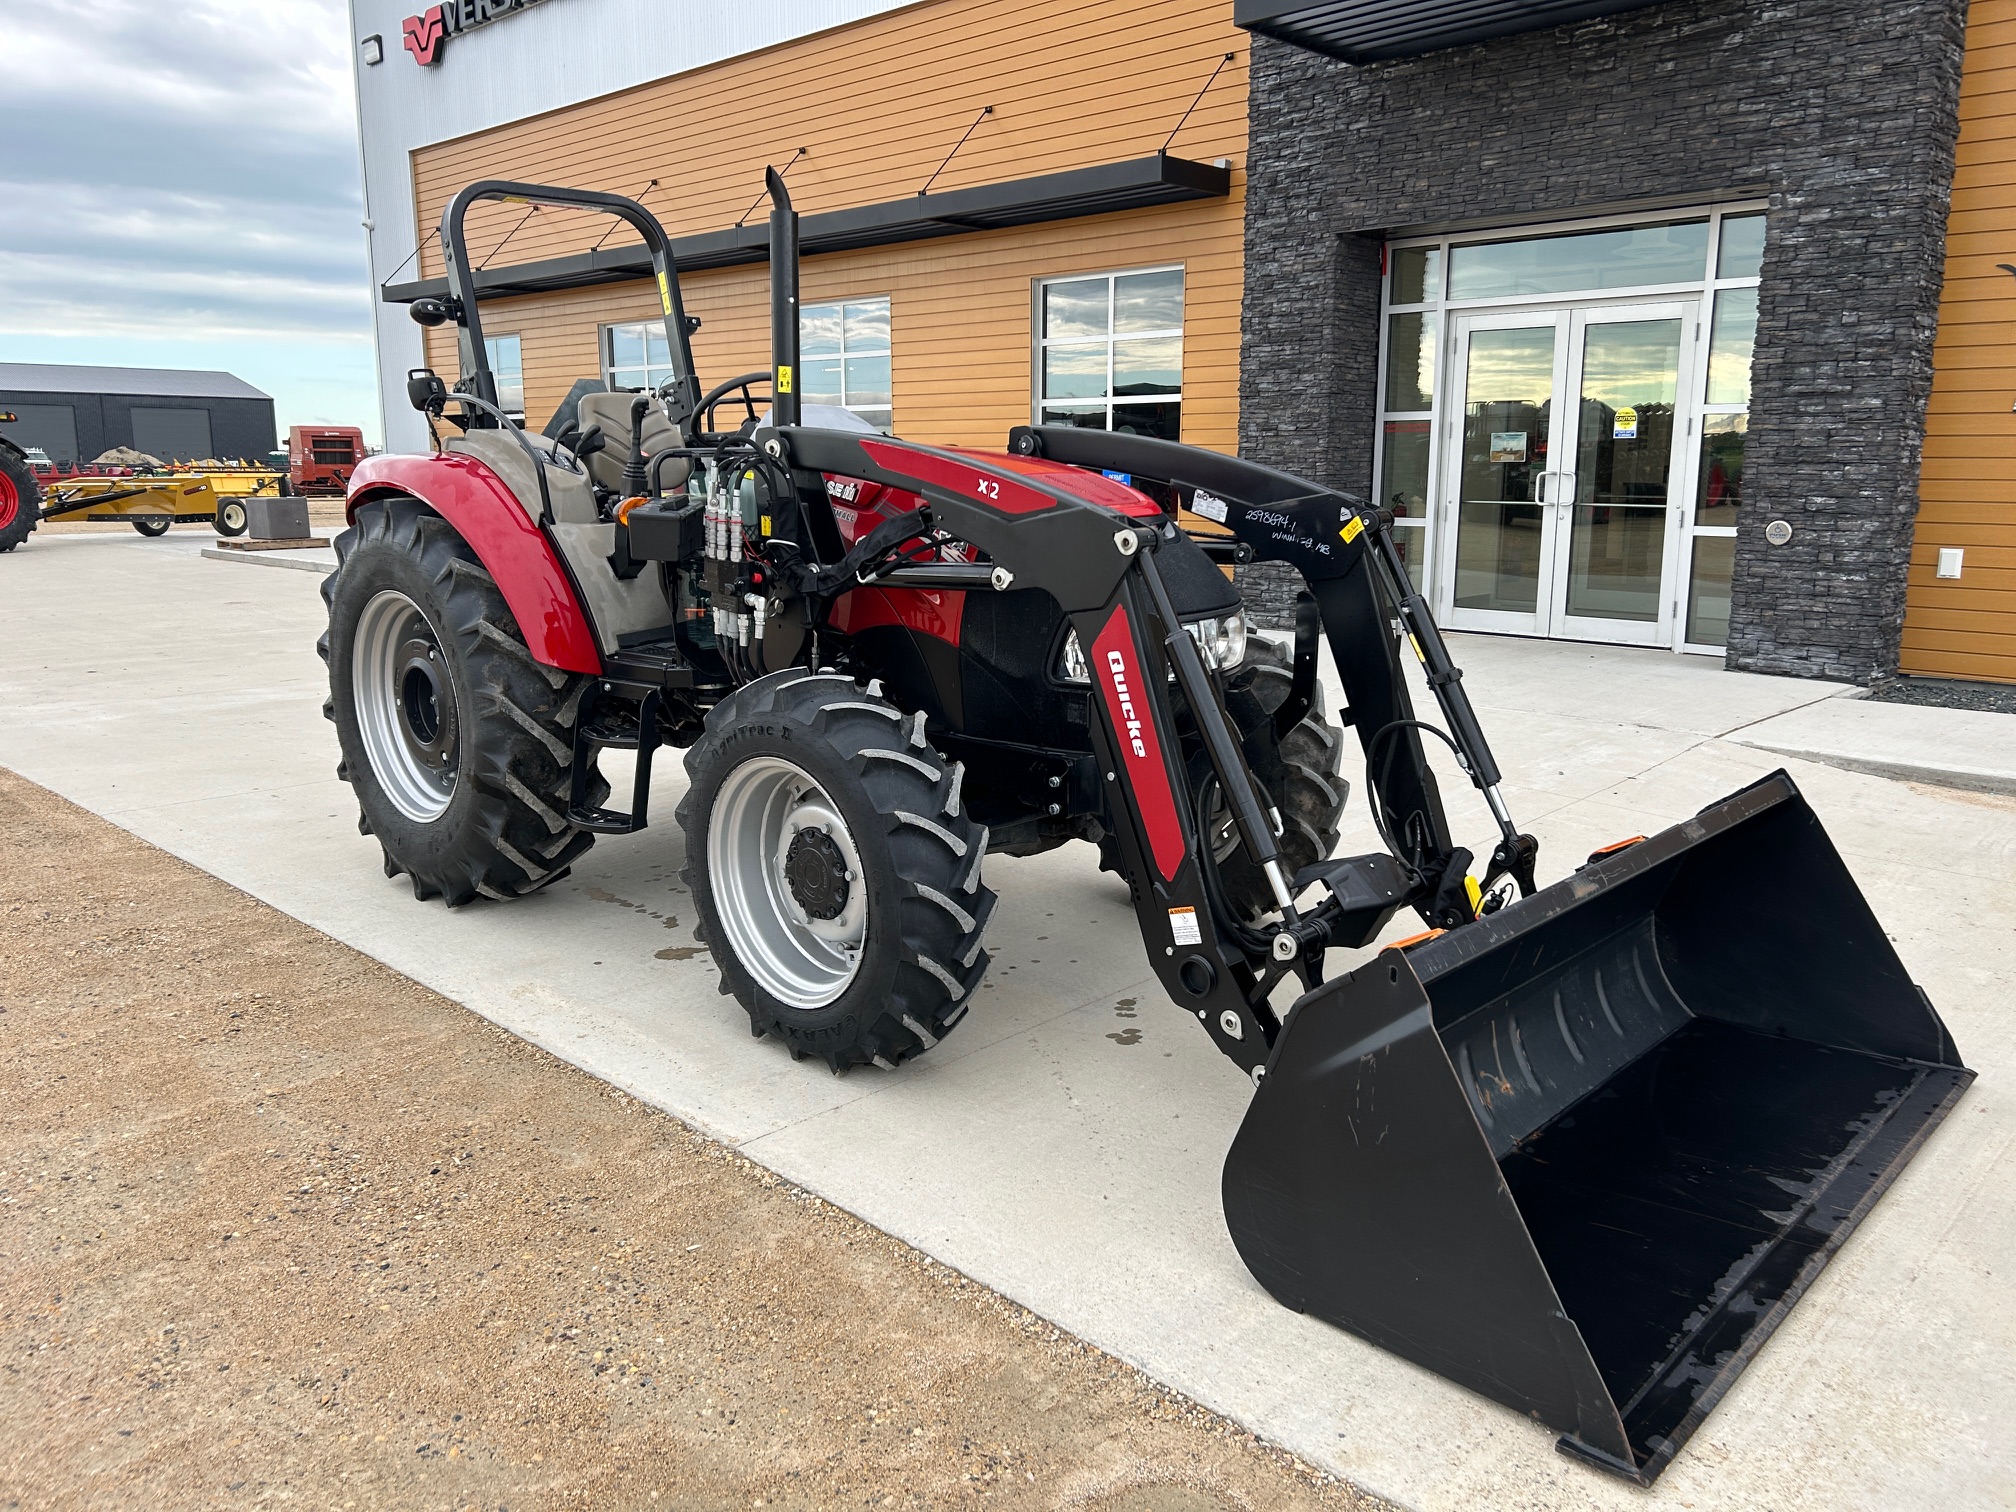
{"x":1134,"y":185}
{"x":1365,"y":31}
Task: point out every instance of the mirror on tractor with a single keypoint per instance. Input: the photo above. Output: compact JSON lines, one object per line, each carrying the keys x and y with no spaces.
{"x":436,"y":312}
{"x":425,"y":391}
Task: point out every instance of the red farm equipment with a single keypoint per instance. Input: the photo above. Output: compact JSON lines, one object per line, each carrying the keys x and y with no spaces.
{"x":321,"y":459}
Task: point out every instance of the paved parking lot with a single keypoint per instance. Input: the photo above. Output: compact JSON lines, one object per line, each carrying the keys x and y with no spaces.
{"x":1064,"y":1146}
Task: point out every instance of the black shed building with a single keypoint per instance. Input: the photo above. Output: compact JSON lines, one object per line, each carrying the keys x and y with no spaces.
{"x":76,"y":413}
{"x":1627,"y":308}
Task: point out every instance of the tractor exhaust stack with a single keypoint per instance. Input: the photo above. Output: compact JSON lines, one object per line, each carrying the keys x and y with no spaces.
{"x":784,"y":373}
{"x":1584,"y":1155}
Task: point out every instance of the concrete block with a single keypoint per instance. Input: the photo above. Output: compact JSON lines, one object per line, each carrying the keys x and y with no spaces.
{"x":277,"y":519}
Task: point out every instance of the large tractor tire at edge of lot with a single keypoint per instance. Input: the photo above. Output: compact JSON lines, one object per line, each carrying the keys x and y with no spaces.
{"x":458,"y":743}
{"x":835,"y":871}
{"x":20,"y":499}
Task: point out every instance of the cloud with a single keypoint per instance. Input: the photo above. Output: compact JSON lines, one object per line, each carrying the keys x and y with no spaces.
{"x":184,"y":170}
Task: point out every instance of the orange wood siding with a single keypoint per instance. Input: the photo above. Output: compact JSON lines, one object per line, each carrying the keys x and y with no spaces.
{"x":1967,"y":496}
{"x":878,"y":105}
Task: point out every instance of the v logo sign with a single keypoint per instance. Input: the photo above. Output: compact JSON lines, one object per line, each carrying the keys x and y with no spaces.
{"x":423,"y":36}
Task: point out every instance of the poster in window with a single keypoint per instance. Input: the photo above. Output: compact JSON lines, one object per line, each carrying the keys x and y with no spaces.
{"x":1624,"y":425}
{"x":1508,"y":446}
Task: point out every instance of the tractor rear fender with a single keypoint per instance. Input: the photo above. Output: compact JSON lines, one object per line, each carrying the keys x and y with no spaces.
{"x":487,"y":515}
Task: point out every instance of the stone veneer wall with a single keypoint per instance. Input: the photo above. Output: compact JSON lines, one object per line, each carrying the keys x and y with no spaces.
{"x":1843,"y":112}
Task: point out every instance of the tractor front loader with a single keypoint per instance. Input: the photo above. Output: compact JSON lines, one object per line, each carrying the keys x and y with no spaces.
{"x":1577,"y":1147}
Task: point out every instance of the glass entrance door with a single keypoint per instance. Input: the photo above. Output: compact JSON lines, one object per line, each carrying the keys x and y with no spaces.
{"x":1567,"y":513}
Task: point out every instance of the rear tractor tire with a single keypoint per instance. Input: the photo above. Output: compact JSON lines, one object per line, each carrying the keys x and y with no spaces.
{"x":458,"y":743}
{"x":835,"y":871}
{"x":20,"y":500}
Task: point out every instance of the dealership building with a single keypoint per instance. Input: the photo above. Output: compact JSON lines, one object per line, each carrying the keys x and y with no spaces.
{"x":1671,"y":323}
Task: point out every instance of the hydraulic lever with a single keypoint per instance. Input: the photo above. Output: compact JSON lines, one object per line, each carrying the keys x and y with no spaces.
{"x":1516,"y":855}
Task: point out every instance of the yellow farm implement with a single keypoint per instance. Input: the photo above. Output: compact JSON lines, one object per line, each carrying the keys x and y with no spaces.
{"x":151,"y":502}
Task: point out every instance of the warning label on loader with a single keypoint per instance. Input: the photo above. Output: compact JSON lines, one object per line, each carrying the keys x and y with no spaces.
{"x":1183,"y":926}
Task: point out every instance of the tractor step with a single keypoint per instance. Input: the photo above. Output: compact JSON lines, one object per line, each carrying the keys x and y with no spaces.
{"x":658,"y":665}
{"x":591,"y":737}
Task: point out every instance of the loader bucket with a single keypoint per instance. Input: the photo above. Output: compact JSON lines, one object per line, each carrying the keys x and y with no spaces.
{"x":1584,"y":1155}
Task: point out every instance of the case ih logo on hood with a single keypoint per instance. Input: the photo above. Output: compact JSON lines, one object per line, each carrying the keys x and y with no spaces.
{"x":424,"y":33}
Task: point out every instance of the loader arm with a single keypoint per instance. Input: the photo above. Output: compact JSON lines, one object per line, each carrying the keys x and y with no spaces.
{"x":1091,"y":544}
{"x":1345,"y":553}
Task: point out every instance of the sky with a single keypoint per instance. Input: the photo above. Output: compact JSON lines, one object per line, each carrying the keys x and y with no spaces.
{"x":181,"y":189}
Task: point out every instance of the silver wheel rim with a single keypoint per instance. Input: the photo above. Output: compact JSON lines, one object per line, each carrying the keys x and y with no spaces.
{"x":405,"y":706}
{"x":760,"y":809}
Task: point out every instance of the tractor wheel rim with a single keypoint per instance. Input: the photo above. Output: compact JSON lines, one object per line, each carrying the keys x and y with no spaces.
{"x":803,"y":960}
{"x":234,"y":515}
{"x":10,"y":501}
{"x":405,"y":702}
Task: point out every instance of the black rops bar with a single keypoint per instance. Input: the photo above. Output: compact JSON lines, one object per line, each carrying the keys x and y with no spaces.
{"x":462,"y":281}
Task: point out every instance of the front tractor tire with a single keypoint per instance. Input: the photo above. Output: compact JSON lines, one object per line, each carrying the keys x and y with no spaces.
{"x":458,"y":743}
{"x":835,"y":871}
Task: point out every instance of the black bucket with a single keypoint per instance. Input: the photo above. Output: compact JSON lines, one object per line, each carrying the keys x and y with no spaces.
{"x":1583,"y":1155}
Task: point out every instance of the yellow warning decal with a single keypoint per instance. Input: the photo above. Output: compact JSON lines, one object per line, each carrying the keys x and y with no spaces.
{"x":766,"y":524}
{"x":1353,"y":528}
{"x":1476,"y":894}
{"x":784,"y":378}
{"x":664,"y":294}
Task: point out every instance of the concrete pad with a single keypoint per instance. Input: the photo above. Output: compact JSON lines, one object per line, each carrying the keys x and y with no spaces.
{"x":321,"y":559}
{"x":1064,"y":1145}
{"x":1962,"y":748}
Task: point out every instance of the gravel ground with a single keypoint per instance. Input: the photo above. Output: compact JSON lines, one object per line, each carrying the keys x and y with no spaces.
{"x":278,"y":1225}
{"x":1947,"y":693}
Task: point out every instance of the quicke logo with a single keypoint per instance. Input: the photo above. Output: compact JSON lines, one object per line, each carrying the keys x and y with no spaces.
{"x":1117,"y":666}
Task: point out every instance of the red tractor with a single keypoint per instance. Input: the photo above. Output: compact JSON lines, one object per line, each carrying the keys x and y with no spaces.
{"x":1579,"y":1148}
{"x":20,"y":490}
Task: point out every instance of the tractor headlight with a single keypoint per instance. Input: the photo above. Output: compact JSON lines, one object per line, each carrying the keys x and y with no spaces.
{"x":1221,"y":642}
{"x":1071,"y":664}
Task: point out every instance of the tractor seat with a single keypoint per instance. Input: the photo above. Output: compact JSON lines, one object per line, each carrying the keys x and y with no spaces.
{"x":612,"y":413}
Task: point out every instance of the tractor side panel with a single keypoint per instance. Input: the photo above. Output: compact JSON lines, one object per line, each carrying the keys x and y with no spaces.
{"x":510,"y":546}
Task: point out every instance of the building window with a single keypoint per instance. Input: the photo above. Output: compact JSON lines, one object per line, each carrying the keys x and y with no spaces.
{"x":507,"y":366}
{"x":636,"y":356}
{"x":843,"y":352}
{"x":1448,"y":295}
{"x":1731,"y":317}
{"x":1110,"y":352}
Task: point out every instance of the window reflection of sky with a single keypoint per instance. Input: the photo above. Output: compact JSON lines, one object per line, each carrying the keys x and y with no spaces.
{"x":1630,"y":257}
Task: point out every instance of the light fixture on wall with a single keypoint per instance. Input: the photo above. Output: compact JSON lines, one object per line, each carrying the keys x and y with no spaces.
{"x":374,"y":49}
